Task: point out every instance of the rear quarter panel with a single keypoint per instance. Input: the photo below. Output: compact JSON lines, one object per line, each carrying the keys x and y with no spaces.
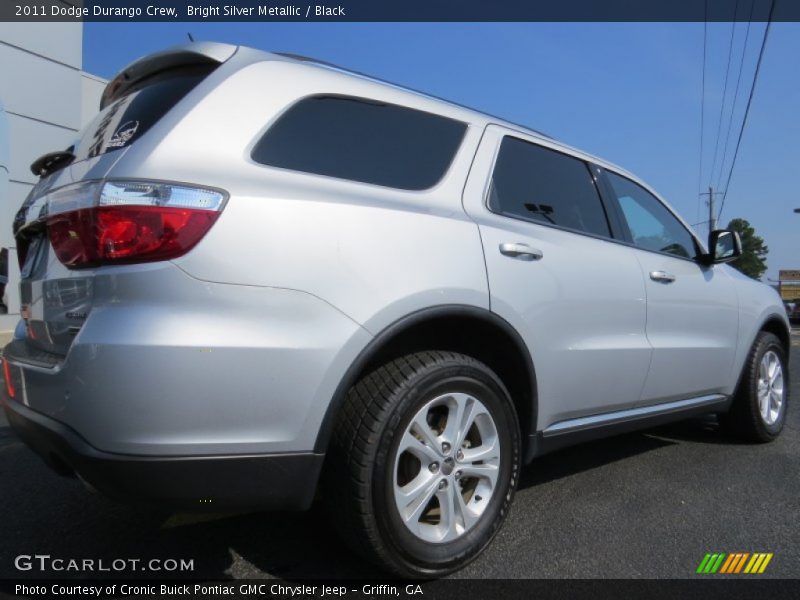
{"x":374,"y":253}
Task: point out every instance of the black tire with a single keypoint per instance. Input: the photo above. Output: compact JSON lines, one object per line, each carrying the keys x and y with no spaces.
{"x":359,"y":470}
{"x":744,"y":419}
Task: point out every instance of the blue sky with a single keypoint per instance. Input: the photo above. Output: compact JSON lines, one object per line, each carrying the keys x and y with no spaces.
{"x":629,"y":93}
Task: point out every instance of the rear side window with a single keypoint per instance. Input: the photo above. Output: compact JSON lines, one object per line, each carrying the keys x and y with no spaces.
{"x":362,"y":140}
{"x":125,"y":120}
{"x":535,"y":183}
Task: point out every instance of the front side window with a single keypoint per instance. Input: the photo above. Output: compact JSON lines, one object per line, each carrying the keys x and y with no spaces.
{"x":652,"y":225}
{"x":535,"y":183}
{"x":362,"y":140}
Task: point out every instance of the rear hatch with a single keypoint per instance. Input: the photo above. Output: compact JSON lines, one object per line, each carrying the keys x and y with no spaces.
{"x":55,"y":298}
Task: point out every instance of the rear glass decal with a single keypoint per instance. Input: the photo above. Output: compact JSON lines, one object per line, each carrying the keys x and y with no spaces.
{"x":123,"y":135}
{"x":103,"y":129}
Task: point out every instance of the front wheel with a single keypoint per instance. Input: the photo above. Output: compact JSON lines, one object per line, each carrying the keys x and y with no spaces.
{"x":424,"y":462}
{"x":759,"y":406}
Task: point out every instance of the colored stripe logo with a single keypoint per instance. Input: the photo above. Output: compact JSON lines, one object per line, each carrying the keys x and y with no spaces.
{"x":737,"y":562}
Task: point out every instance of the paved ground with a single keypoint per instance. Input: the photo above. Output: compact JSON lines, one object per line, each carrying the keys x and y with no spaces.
{"x":641,"y":505}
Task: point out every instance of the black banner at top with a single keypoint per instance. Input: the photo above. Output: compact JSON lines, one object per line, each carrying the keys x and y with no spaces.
{"x":399,"y":10}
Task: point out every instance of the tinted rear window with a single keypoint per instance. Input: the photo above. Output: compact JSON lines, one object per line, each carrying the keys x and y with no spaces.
{"x":362,"y":140}
{"x":127,"y":119}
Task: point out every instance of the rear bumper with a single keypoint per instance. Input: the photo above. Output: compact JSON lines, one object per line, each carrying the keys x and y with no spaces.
{"x":271,"y":481}
{"x":166,"y":365}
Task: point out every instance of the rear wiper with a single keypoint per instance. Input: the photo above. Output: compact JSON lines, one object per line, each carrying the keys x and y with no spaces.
{"x":51,"y":162}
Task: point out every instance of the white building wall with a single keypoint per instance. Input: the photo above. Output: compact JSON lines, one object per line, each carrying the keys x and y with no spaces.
{"x":47,"y":99}
{"x":4,"y":158}
{"x":91,"y":90}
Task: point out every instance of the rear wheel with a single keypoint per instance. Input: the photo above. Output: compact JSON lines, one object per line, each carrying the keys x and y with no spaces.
{"x":424,"y":462}
{"x":759,"y":407}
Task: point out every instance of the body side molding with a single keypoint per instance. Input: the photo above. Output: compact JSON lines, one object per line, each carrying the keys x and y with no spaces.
{"x":574,"y":431}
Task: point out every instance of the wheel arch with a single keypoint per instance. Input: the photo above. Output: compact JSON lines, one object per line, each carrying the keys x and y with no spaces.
{"x":470,"y":330}
{"x":771,"y":323}
{"x":777,"y":326}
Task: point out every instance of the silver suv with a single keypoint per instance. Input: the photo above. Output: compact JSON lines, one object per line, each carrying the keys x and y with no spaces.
{"x":256,"y":275}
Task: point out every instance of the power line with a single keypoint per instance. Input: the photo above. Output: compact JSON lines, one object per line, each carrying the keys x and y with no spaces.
{"x":702,"y":105}
{"x":735,"y":94}
{"x":724,"y":95}
{"x":747,"y":108}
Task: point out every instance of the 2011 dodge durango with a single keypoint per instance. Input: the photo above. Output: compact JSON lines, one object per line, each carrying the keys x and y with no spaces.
{"x":255,"y":276}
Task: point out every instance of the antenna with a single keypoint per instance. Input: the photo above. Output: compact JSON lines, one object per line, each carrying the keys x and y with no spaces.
{"x":191,"y":39}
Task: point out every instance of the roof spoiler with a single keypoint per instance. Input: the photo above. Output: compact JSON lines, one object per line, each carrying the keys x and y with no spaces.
{"x":195,"y":53}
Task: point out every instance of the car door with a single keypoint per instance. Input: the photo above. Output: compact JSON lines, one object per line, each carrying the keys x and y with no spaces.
{"x":692,"y":308}
{"x":558,"y":276}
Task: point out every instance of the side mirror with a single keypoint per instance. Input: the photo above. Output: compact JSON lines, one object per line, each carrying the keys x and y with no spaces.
{"x":723,"y":246}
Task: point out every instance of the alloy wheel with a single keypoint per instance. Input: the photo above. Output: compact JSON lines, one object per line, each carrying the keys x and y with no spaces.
{"x":770,"y":387}
{"x":446,"y":467}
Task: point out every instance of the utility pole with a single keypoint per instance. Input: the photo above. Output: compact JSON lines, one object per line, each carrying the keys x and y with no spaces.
{"x":712,"y":220}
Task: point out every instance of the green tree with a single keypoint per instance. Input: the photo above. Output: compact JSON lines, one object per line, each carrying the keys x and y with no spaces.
{"x":753,"y":261}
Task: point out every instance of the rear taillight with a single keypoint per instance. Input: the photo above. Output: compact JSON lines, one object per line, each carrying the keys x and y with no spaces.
{"x":129,"y":221}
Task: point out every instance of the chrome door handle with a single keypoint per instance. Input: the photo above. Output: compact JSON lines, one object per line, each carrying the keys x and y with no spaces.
{"x":662,"y":276}
{"x":520,"y":251}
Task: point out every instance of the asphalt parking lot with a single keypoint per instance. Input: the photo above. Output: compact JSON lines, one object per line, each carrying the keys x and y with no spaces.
{"x":647,"y":504}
